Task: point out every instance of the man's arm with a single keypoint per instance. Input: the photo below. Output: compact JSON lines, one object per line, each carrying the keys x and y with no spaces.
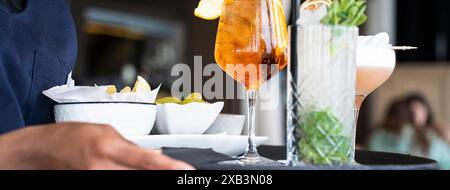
{"x":67,"y":145}
{"x":64,"y":145}
{"x":78,"y":146}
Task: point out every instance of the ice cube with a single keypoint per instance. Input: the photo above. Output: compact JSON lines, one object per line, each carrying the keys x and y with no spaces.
{"x":312,"y":16}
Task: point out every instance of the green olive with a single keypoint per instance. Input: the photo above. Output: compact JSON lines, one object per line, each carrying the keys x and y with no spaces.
{"x":194,"y":96}
{"x":167,"y":100}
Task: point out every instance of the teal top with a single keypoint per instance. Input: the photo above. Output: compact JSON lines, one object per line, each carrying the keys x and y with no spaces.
{"x":439,"y":149}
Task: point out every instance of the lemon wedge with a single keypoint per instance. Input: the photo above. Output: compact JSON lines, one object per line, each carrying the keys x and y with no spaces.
{"x":209,"y":9}
{"x":141,"y":85}
{"x":111,"y":89}
{"x":125,"y":90}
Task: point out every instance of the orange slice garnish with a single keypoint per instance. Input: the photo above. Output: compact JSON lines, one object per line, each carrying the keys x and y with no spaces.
{"x":314,"y":4}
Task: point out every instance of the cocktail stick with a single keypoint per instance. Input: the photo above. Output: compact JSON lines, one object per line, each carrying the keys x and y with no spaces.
{"x":403,"y":48}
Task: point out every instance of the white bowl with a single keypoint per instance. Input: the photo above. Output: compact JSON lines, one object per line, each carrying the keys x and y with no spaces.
{"x":128,"y":118}
{"x":230,"y":124}
{"x":193,"y":118}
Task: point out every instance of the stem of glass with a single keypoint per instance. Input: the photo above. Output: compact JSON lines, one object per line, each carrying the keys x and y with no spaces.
{"x":355,"y":125}
{"x":358,"y":103}
{"x":251,"y":152}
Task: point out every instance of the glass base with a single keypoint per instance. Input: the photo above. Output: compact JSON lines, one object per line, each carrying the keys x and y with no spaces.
{"x":354,"y":163}
{"x":252,"y":160}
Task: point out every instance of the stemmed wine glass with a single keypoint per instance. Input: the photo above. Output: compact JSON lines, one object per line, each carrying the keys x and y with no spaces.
{"x":251,"y":47}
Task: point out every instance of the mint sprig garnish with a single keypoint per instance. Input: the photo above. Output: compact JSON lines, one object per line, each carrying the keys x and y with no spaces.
{"x":322,"y":140}
{"x":346,"y":13}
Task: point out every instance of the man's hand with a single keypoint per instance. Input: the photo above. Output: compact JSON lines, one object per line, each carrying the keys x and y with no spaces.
{"x":78,"y":146}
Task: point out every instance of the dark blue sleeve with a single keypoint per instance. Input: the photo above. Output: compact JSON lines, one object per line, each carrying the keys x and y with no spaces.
{"x":10,"y":112}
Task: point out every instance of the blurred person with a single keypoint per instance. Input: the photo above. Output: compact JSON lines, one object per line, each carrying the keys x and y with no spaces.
{"x":409,"y":128}
{"x":37,"y":51}
{"x":430,"y":138}
{"x":390,"y":135}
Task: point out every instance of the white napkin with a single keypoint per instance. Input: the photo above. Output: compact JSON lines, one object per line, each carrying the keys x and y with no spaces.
{"x":70,"y":93}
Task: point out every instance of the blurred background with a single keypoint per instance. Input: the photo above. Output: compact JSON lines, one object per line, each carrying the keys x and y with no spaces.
{"x":121,"y":39}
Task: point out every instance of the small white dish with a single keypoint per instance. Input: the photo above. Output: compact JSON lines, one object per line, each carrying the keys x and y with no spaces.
{"x":230,"y":124}
{"x":225,"y":144}
{"x":128,"y":118}
{"x":193,"y":118}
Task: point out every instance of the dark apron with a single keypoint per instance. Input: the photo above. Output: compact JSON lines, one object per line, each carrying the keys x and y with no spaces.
{"x":37,"y":52}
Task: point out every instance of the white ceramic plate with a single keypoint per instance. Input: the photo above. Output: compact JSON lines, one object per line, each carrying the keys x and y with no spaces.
{"x":225,"y":144}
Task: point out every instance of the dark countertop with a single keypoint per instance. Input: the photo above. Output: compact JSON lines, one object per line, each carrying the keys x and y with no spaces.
{"x":206,"y":159}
